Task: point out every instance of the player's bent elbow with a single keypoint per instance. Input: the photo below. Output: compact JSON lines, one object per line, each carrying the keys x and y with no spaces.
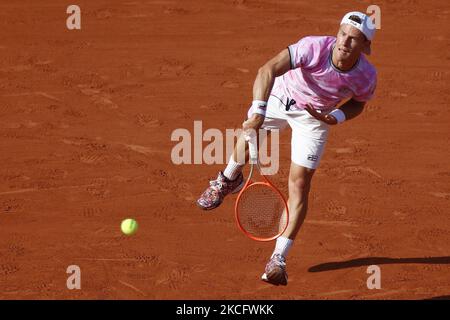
{"x":265,"y":72}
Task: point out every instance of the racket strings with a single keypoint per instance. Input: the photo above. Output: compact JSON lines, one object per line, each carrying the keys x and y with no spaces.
{"x":262,"y":211}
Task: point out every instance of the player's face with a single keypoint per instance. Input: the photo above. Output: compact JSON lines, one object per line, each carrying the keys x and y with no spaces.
{"x":350,"y":42}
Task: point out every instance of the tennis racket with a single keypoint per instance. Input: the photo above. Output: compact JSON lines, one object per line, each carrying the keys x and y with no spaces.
{"x":261,"y":211}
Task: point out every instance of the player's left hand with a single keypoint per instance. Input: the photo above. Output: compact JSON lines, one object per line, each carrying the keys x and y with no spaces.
{"x":328,"y":119}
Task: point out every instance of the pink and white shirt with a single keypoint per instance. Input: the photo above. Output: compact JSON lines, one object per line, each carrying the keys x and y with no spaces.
{"x":314,"y":79}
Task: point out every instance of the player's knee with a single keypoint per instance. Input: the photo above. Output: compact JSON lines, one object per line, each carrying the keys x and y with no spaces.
{"x":299,"y":186}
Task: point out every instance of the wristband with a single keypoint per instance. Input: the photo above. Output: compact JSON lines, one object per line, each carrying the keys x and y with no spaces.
{"x":259,"y":106}
{"x":338,"y":114}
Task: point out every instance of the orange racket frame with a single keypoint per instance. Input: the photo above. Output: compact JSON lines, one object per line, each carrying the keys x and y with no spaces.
{"x":253,"y":150}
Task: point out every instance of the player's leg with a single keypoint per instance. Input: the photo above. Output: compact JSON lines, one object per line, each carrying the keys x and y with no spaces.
{"x":231,"y":179}
{"x":307,"y":146}
{"x":237,"y":160}
{"x":240,"y":154}
{"x":299,"y":186}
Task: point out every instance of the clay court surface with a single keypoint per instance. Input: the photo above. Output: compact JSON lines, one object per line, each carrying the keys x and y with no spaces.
{"x":86,"y":118}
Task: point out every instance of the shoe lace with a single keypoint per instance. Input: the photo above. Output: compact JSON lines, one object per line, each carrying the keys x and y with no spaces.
{"x":279,"y":260}
{"x":216,"y":184}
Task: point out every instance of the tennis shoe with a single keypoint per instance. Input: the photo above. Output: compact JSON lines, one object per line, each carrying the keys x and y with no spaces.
{"x":275,"y":272}
{"x":218,"y":189}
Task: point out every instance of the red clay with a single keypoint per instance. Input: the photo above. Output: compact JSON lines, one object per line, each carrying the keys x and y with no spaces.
{"x":85,"y":124}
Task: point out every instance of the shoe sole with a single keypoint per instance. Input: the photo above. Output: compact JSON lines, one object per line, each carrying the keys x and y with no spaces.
{"x":236,"y":190}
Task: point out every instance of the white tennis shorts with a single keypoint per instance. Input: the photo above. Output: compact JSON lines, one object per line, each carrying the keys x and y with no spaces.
{"x":309,"y":135}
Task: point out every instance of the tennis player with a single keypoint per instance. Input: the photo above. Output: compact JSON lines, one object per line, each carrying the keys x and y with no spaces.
{"x":301,"y":87}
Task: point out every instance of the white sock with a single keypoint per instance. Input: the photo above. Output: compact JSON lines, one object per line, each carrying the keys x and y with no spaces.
{"x":233,"y":169}
{"x":282,"y":247}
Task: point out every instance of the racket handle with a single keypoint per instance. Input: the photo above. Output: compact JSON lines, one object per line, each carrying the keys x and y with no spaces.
{"x":253,"y":149}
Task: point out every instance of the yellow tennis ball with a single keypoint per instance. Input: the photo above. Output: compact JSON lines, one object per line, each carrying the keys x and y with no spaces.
{"x":129,"y":226}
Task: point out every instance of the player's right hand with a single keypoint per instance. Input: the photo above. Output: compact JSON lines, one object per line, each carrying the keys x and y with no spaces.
{"x":252,"y":125}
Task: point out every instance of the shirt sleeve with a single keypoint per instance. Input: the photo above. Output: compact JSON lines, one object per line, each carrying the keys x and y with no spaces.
{"x":367,"y":93}
{"x":301,"y":53}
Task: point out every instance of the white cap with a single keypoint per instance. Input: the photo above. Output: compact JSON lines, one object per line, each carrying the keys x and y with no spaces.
{"x":366,"y":25}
